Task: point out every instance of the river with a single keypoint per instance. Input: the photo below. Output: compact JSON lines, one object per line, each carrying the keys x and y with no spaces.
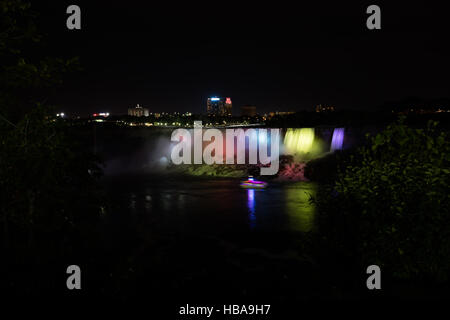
{"x":212,"y":205}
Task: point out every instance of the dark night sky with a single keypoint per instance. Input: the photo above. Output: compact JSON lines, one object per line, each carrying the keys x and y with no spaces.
{"x":278,"y":55}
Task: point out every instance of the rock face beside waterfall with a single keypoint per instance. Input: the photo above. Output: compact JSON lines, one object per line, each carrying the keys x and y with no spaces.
{"x":294,"y":171}
{"x":223,"y":171}
{"x":290,"y":170}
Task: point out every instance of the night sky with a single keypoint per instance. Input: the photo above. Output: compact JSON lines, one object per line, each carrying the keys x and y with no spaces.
{"x":276,"y":55}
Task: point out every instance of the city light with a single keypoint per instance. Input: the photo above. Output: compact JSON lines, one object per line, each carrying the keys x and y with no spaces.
{"x":101,"y":114}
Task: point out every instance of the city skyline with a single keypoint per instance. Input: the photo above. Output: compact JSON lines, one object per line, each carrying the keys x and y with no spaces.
{"x":276,"y":59}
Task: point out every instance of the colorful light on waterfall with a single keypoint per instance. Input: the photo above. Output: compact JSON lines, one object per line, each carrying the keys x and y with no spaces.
{"x":262,"y":137}
{"x":299,"y":140}
{"x":338,"y":139}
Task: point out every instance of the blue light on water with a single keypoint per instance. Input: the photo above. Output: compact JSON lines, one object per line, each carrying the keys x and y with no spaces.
{"x":251,"y":207}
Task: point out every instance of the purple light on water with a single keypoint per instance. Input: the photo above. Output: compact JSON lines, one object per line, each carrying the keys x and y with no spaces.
{"x":251,"y":198}
{"x":338,"y":139}
{"x":251,"y":207}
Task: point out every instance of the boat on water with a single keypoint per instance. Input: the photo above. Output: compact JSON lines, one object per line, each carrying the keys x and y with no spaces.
{"x":253,"y":184}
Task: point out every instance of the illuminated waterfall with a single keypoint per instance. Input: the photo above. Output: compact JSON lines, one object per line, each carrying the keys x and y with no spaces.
{"x":338,"y":139}
{"x":299,"y":140}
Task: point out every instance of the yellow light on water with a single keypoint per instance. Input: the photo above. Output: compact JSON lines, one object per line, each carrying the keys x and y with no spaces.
{"x":300,"y":211}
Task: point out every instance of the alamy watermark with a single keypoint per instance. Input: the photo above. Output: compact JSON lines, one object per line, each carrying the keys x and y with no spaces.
{"x":374,"y":280}
{"x":235,"y":139}
{"x":73,"y":22}
{"x":374,"y":20}
{"x":74,"y":280}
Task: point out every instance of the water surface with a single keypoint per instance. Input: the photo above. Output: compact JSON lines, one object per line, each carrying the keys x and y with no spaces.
{"x":213,"y":205}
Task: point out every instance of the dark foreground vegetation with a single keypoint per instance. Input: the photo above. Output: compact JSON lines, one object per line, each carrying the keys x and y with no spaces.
{"x":388,"y":204}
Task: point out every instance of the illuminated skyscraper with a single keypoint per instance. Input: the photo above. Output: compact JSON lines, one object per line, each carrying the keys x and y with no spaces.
{"x":138,"y":111}
{"x":228,"y":107}
{"x":219,"y":107}
{"x":213,"y":106}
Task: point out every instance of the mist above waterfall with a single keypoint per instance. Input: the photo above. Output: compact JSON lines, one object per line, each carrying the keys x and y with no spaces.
{"x":148,"y":151}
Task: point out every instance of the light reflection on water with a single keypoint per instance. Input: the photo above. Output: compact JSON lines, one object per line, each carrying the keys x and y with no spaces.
{"x":218,"y":205}
{"x":299,"y":208}
{"x":251,"y":207}
{"x":288,"y":205}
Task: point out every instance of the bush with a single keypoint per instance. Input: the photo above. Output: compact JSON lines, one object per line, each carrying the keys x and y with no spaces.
{"x":390,"y":205}
{"x":324,"y":169}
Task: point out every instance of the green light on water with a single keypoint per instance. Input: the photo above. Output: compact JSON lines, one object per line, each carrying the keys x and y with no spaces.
{"x":301,"y":212}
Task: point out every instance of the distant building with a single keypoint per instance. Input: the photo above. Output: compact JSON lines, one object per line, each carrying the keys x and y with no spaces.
{"x":138,"y":111}
{"x":321,"y":108}
{"x":213,"y":105}
{"x":278,"y":113}
{"x":284,"y":113}
{"x":219,"y":107}
{"x":248,"y":111}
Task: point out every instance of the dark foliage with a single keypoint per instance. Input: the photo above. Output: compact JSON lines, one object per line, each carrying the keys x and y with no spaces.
{"x":49,"y":199}
{"x":390,"y":205}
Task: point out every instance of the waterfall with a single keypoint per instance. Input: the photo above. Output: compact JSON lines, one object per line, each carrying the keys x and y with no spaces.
{"x":338,"y":139}
{"x":299,"y":140}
